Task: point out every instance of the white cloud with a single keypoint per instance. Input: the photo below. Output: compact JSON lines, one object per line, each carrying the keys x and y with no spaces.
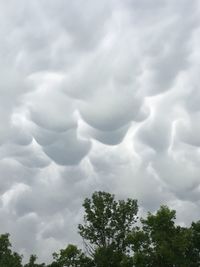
{"x":95,"y":96}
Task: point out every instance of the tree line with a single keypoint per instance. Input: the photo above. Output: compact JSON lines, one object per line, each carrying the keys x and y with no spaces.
{"x":114,"y":236}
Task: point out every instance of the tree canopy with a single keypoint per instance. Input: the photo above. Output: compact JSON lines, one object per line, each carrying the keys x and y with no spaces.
{"x":114,"y":236}
{"x":7,"y":257}
{"x":107,"y":224}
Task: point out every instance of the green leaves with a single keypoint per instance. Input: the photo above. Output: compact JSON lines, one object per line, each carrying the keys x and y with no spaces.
{"x":159,"y":242}
{"x":107,"y":224}
{"x":32,"y":262}
{"x":71,"y":256}
{"x":112,"y":239}
{"x":107,"y":221}
{"x":7,"y":257}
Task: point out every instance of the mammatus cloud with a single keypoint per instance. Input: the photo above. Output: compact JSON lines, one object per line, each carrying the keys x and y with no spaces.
{"x":96,"y":95}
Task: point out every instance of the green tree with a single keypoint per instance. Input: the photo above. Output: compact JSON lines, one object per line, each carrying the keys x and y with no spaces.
{"x":107,"y":224}
{"x":71,"y":256}
{"x":107,"y":256}
{"x":7,"y":257}
{"x":160,"y":242}
{"x":112,"y":239}
{"x":32,"y":262}
{"x":193,"y":245}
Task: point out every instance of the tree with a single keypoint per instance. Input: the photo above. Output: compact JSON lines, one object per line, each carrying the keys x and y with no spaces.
{"x":160,"y":242}
{"x":32,"y":262}
{"x":71,"y":256}
{"x":7,"y":257}
{"x":112,"y":239}
{"x":107,"y":224}
{"x":109,"y":257}
{"x":193,"y":245}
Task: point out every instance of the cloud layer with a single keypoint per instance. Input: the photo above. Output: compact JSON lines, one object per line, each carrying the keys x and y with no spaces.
{"x":96,"y":95}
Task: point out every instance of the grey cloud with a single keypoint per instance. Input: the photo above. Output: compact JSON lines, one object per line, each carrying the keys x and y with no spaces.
{"x":189,"y":130}
{"x":156,"y":133}
{"x":110,"y":113}
{"x":107,"y":137}
{"x":28,"y":224}
{"x":48,"y":107}
{"x":30,"y":156}
{"x":84,"y":25}
{"x":68,"y":150}
{"x":95,"y":96}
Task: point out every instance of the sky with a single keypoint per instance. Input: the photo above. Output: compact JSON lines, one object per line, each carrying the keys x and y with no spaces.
{"x":96,"y":95}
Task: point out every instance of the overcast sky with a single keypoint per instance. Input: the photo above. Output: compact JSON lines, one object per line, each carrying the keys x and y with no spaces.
{"x":96,"y":95}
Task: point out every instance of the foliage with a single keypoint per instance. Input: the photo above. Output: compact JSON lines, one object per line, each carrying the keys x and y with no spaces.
{"x":112,"y":239}
{"x":32,"y":262}
{"x":71,"y":256}
{"x":7,"y":257}
{"x":160,"y":242}
{"x":193,"y":245}
{"x":107,"y":224}
{"x":107,"y":221}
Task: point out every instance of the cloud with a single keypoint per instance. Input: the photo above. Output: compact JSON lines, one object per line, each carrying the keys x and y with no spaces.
{"x":95,"y":96}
